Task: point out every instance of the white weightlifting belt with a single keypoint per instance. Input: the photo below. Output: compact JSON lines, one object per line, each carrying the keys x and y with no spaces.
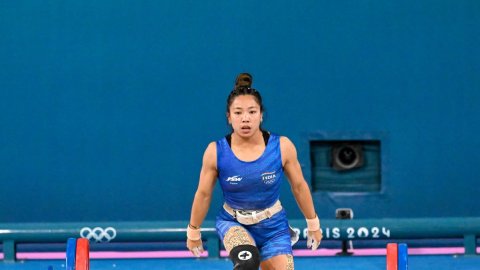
{"x":249,"y":217}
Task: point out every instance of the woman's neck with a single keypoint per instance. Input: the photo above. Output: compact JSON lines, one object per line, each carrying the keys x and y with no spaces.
{"x":255,"y":139}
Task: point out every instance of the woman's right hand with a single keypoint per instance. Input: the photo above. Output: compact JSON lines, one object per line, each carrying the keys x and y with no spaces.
{"x":195,"y":246}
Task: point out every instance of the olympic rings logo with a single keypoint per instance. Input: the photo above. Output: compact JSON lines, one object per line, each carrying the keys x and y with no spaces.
{"x":98,"y":234}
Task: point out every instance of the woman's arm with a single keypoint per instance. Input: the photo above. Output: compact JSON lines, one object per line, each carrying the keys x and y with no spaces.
{"x":293,"y":171}
{"x":300,"y":190}
{"x":202,"y":199}
{"x":208,"y":177}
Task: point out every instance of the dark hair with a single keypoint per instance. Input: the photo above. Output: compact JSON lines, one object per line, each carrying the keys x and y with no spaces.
{"x":244,"y":79}
{"x":239,"y":91}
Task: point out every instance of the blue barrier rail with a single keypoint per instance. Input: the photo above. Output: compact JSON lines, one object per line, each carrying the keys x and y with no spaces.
{"x":11,"y":234}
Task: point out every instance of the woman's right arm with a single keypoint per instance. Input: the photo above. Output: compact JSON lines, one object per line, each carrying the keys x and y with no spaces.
{"x":208,"y":177}
{"x":201,"y":201}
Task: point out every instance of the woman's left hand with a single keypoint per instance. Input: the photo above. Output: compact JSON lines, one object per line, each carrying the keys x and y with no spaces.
{"x":314,"y":238}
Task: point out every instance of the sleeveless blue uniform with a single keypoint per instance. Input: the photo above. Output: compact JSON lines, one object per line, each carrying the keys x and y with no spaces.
{"x":254,"y":185}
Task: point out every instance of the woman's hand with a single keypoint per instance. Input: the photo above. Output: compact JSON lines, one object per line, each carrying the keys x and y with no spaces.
{"x":195,"y":246}
{"x":314,"y":238}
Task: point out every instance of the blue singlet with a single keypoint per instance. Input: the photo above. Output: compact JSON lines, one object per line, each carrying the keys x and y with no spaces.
{"x":254,"y":185}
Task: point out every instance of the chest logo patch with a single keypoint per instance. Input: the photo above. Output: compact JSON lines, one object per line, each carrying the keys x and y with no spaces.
{"x":268,"y":177}
{"x":234,"y":179}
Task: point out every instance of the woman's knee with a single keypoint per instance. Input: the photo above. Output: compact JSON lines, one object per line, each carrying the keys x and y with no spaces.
{"x":241,"y":249}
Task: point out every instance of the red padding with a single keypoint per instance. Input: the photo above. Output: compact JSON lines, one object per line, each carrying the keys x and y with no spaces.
{"x":82,"y":259}
{"x":392,"y":256}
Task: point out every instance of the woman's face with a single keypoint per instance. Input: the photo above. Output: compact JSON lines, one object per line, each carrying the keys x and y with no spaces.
{"x":245,"y":116}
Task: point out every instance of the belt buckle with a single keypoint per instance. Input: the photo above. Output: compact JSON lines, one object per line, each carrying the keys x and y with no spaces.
{"x":244,"y":219}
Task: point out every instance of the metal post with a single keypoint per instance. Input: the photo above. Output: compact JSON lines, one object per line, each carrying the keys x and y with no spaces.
{"x":470,"y":243}
{"x":9,"y":251}
{"x":213,"y":247}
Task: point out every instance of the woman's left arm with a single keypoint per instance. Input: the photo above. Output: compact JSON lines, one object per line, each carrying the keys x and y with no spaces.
{"x":293,"y":171}
{"x":300,"y":190}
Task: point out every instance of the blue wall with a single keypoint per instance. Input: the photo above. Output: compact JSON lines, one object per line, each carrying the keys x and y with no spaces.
{"x":107,"y":106}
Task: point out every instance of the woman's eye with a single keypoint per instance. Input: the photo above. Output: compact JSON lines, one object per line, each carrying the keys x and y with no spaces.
{"x":237,"y":113}
{"x":253,"y":112}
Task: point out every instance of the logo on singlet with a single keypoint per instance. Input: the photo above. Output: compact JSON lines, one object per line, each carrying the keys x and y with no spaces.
{"x":268,"y":177}
{"x":234,"y":179}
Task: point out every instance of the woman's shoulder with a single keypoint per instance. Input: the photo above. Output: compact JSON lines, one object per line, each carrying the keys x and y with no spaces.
{"x":210,"y":154}
{"x":284,"y":139}
{"x":286,"y":145}
{"x":211,"y":148}
{"x":212,"y":144}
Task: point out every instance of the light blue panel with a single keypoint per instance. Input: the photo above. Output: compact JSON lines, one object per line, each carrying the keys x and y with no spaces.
{"x":108,"y":106}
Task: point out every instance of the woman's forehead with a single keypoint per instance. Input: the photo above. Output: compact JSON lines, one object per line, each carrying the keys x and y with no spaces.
{"x":245,"y":101}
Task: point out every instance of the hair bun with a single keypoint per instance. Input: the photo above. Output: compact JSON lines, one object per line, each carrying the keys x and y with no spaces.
{"x":244,"y":79}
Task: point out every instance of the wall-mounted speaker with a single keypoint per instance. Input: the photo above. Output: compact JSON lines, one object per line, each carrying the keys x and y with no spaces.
{"x":347,"y":156}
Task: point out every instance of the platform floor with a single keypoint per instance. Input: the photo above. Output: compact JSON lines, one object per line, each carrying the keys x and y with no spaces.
{"x":437,"y":262}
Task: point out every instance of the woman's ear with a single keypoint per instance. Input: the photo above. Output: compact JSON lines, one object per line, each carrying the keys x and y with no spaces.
{"x":228,"y":118}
